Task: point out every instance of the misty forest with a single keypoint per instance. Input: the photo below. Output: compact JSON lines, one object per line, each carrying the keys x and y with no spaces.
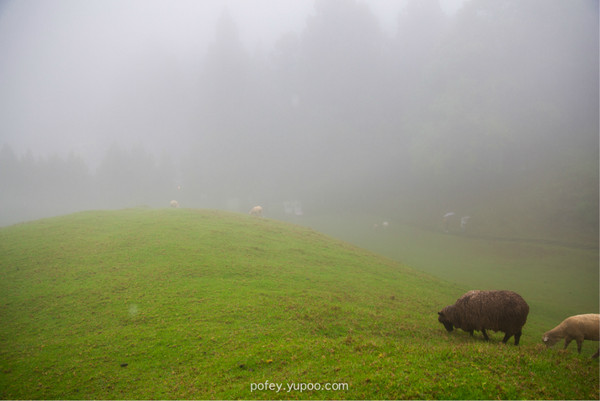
{"x":491,"y":111}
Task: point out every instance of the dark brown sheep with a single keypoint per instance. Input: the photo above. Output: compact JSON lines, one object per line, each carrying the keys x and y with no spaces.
{"x":504,"y":311}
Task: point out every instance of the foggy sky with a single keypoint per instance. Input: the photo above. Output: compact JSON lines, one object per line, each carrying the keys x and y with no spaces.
{"x":433,"y":105}
{"x":63,"y":61}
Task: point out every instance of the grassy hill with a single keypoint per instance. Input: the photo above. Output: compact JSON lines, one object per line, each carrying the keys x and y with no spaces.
{"x":557,"y":279}
{"x":180,"y":304}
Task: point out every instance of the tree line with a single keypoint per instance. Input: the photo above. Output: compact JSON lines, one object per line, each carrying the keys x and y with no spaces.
{"x":35,"y":187}
{"x":448,"y":110}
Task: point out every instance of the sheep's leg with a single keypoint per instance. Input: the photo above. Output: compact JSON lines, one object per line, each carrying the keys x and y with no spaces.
{"x":579,"y":344}
{"x":567,"y":341}
{"x":485,"y":336}
{"x":507,"y":337}
{"x":517,"y":337}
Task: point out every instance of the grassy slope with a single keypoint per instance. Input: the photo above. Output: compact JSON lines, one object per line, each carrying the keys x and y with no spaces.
{"x":556,"y":280}
{"x":201,"y":304}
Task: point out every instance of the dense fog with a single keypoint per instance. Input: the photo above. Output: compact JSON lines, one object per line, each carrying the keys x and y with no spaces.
{"x":408,"y":109}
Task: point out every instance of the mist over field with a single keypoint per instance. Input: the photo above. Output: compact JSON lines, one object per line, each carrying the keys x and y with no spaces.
{"x":403,"y":109}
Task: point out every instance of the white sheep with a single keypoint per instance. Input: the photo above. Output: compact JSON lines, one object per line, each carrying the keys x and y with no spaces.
{"x":578,"y":328}
{"x":256,"y":211}
{"x":175,"y":204}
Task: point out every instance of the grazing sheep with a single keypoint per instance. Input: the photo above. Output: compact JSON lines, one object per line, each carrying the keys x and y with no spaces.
{"x":504,"y":311}
{"x":174,"y":204}
{"x":578,"y":328}
{"x":256,"y":211}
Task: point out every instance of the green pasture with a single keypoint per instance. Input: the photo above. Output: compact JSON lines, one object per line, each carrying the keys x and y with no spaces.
{"x":557,"y":280}
{"x":191,"y":304}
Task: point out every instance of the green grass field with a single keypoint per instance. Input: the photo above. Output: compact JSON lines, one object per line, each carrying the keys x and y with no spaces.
{"x":189,"y":304}
{"x":557,"y":280}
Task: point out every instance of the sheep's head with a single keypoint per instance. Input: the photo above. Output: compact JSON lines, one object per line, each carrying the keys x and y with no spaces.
{"x":444,"y":320}
{"x":549,"y":340}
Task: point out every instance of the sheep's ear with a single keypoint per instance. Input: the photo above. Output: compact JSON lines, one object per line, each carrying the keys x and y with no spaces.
{"x":440,"y":313}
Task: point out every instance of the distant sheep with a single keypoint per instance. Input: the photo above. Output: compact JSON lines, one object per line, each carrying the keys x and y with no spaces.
{"x":578,"y":328}
{"x":256,"y":211}
{"x":175,"y":204}
{"x":385,"y":225}
{"x":504,"y":311}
